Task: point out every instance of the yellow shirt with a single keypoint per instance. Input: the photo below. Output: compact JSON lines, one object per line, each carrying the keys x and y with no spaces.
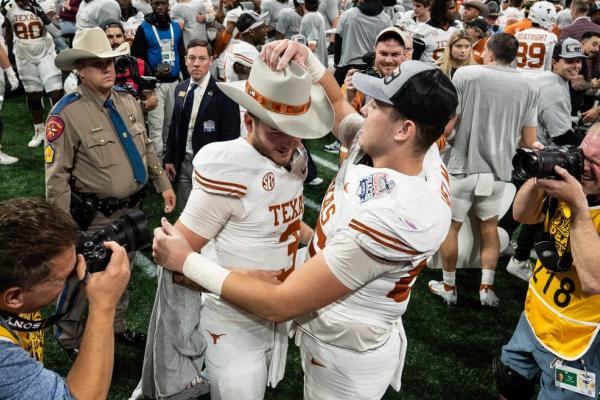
{"x":32,"y":342}
{"x":563,"y":318}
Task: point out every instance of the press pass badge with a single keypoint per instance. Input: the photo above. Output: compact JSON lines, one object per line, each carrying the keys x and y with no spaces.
{"x":575,"y":380}
{"x":166,"y":51}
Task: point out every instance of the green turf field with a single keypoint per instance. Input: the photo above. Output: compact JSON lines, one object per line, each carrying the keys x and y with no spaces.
{"x":450,"y":349}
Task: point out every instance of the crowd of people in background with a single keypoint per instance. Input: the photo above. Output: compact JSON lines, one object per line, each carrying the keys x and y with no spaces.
{"x":182,"y":84}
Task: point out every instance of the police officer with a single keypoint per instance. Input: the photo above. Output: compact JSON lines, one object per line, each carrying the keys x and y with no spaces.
{"x":98,"y":159}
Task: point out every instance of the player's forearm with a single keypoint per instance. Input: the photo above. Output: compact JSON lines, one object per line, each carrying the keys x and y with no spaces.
{"x":585,"y":248}
{"x":528,"y":137}
{"x":91,"y":374}
{"x":341,"y":107}
{"x":257,"y":296}
{"x":4,"y":61}
{"x":298,"y":295}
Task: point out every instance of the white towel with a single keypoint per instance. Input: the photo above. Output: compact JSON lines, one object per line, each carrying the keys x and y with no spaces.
{"x":279,"y":355}
{"x":397,"y":378}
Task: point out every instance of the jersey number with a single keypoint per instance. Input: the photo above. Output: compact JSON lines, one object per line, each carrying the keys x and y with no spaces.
{"x":438,"y":53}
{"x":28,"y":30}
{"x":531,"y":56}
{"x":293,"y":230}
{"x":402,"y":288}
{"x":562,"y":295}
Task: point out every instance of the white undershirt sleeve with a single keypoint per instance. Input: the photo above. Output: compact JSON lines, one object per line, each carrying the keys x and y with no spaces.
{"x":349,"y":128}
{"x":206,"y":213}
{"x":350,"y":264}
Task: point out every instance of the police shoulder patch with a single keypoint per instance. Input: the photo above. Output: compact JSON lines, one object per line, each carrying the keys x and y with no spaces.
{"x":54,"y":128}
{"x":49,"y":154}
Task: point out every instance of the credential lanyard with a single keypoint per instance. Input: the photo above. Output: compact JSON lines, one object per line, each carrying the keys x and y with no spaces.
{"x":158,"y":39}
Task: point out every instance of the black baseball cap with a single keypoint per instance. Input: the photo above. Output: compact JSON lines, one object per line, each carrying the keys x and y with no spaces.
{"x":418,"y":90}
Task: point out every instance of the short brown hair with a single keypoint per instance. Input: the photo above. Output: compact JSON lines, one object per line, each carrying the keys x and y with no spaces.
{"x":426,"y":3}
{"x":504,"y":46}
{"x":32,"y":233}
{"x":200,"y":43}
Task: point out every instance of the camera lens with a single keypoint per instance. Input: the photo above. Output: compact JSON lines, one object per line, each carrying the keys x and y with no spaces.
{"x":526,"y":164}
{"x":130,"y":231}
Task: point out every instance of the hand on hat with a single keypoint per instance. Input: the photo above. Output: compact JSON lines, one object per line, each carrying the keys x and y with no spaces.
{"x":278,"y":54}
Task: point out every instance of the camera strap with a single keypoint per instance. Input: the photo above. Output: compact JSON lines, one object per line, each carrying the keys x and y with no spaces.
{"x":16,"y":323}
{"x":545,"y":246}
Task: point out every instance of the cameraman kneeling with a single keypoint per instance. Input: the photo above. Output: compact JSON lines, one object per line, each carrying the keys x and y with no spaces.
{"x":556,"y":338}
{"x":37,"y":249}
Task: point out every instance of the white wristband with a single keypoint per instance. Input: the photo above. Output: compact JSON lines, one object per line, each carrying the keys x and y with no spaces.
{"x":9,"y":71}
{"x":314,"y":67}
{"x":205,"y":272}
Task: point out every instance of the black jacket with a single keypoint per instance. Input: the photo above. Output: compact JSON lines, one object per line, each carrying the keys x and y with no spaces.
{"x":217,"y":120}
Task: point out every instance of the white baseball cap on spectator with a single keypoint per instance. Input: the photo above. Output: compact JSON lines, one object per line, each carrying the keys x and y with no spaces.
{"x":232,"y":15}
{"x":249,"y":20}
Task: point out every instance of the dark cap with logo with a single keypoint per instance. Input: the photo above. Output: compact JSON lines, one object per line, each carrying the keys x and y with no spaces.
{"x":418,"y":90}
{"x":568,"y":49}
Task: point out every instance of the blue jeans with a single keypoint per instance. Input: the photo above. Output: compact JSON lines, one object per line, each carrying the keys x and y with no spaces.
{"x":526,"y":356}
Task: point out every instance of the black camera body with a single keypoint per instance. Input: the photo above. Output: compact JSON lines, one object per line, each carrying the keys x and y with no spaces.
{"x":146,"y":83}
{"x":540,"y":163}
{"x":122,"y":65}
{"x":130,"y":231}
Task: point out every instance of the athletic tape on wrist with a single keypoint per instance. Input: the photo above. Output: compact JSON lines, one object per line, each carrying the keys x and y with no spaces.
{"x":314,"y":67}
{"x":205,"y":272}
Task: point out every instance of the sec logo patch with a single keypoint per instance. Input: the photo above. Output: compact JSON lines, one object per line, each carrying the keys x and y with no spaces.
{"x":268,"y":181}
{"x":54,"y":128}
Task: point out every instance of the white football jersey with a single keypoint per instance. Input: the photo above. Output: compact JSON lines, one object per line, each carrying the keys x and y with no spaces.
{"x":535,"y":49}
{"x":31,"y":39}
{"x":131,"y":25}
{"x":268,"y":235}
{"x":435,"y":40}
{"x":400,"y":221}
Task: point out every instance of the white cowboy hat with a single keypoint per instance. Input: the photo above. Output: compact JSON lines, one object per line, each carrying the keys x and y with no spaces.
{"x":286,"y":100}
{"x":88,"y":43}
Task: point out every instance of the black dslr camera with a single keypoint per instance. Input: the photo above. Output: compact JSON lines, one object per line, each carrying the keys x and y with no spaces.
{"x":130,"y":231}
{"x":122,"y":64}
{"x":540,"y":164}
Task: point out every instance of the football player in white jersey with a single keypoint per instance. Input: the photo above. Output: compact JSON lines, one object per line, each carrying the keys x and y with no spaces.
{"x":432,"y":36}
{"x":13,"y":83}
{"x":246,"y":210}
{"x":536,"y":43}
{"x":34,"y":55}
{"x":418,"y":15}
{"x":384,"y":215}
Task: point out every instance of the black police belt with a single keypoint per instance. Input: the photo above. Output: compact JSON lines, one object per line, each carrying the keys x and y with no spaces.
{"x":110,"y":205}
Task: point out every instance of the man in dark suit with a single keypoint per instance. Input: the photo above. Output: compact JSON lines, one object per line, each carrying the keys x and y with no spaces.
{"x":202,"y":115}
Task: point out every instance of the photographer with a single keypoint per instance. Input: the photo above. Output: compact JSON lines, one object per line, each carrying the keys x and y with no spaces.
{"x":133,"y":73}
{"x":38,"y":255}
{"x":557,"y":331}
{"x":389,"y":53}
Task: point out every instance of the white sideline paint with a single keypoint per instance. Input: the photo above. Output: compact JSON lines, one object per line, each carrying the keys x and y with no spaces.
{"x":325,"y":163}
{"x":311,"y":204}
{"x":147,"y":266}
